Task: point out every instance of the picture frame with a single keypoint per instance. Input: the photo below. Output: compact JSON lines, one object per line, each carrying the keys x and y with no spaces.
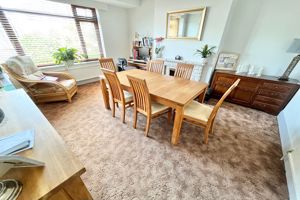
{"x":177,"y":19}
{"x":227,"y":61}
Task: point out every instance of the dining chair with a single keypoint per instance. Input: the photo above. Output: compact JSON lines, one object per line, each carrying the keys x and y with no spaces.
{"x":117,"y":94}
{"x":156,"y":66}
{"x":144,"y":105}
{"x":203,"y":115}
{"x":107,"y":63}
{"x":184,"y":70}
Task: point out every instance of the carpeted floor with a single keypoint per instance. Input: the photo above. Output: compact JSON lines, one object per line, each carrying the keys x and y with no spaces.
{"x":241,"y":160}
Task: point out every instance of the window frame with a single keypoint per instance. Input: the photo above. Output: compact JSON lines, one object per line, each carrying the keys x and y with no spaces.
{"x":77,"y":19}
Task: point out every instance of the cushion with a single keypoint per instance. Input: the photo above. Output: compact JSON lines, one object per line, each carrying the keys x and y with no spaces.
{"x":22,"y":65}
{"x":128,"y":96}
{"x":197,"y":111}
{"x":68,"y":83}
{"x":157,"y":107}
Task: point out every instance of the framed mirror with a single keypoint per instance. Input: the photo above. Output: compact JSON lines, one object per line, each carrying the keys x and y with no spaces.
{"x":185,"y":24}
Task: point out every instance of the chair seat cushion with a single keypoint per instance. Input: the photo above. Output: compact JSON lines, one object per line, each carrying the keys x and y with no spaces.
{"x":157,"y":108}
{"x":197,"y":111}
{"x":69,"y":83}
{"x":128,"y":96}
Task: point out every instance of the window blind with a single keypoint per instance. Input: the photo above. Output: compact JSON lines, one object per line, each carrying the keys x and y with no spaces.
{"x":38,"y":34}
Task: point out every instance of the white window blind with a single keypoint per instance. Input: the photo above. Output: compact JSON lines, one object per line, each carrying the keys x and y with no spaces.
{"x":38,"y":28}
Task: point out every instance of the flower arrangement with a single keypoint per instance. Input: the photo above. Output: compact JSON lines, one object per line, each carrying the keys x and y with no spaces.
{"x":159,"y":49}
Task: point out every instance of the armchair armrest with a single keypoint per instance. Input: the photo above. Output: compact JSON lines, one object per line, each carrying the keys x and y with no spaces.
{"x":62,"y":75}
{"x":50,"y":83}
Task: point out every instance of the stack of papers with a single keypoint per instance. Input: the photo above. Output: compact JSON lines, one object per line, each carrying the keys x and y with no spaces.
{"x":17,"y":142}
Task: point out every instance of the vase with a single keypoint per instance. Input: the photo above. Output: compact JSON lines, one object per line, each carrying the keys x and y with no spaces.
{"x":68,"y":63}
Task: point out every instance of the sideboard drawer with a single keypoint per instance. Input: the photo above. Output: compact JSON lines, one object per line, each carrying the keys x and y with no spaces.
{"x":276,"y":87}
{"x":273,"y":94}
{"x":268,"y":100}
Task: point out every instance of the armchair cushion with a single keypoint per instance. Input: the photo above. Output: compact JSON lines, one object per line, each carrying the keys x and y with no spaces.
{"x":70,"y":83}
{"x":23,"y":66}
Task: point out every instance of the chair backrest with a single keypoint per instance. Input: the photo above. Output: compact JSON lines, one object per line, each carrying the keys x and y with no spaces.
{"x":156,"y":66}
{"x":107,"y":63}
{"x":218,"y":105}
{"x":184,"y":70}
{"x":141,"y":95}
{"x":114,"y":85}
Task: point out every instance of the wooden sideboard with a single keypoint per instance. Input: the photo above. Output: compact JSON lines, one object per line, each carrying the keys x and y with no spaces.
{"x":60,"y":178}
{"x":264,"y":93}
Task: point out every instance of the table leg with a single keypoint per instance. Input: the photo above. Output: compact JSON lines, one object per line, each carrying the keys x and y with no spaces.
{"x":105,"y":94}
{"x":201,"y":97}
{"x":73,"y":189}
{"x":177,"y":124}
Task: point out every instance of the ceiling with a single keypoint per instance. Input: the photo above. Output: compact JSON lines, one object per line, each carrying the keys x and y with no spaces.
{"x":121,"y":3}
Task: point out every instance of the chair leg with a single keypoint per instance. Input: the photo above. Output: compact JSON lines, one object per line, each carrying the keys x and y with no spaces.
{"x":148,"y":125}
{"x":206,"y":133}
{"x":123,"y":113}
{"x":211,"y":129}
{"x":113,"y":109}
{"x":170,"y":116}
{"x":134,"y":118}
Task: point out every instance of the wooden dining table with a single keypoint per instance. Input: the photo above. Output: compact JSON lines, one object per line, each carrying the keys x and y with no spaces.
{"x":171,"y":91}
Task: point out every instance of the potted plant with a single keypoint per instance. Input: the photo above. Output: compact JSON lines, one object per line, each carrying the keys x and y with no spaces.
{"x":205,"y":52}
{"x":67,"y":56}
{"x":1,"y":73}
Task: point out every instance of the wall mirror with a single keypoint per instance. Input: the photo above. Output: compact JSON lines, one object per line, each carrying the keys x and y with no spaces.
{"x":185,"y":24}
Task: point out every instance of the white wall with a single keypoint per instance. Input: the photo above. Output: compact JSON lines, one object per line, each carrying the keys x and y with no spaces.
{"x":141,"y":19}
{"x":289,"y":126}
{"x":262,"y":30}
{"x":114,"y":23}
{"x":216,"y":18}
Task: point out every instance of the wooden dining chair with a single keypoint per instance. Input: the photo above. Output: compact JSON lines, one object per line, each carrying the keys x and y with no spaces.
{"x":184,"y":70}
{"x":144,"y":105}
{"x":117,"y":94}
{"x":156,"y":66}
{"x":203,"y":115}
{"x":107,"y":63}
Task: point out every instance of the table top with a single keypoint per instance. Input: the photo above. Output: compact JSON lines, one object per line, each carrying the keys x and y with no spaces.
{"x":60,"y":164}
{"x":177,"y":90}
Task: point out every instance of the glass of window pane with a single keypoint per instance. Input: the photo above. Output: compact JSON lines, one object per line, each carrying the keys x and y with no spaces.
{"x":90,"y":38}
{"x":41,"y":36}
{"x":6,"y":48}
{"x":41,"y":6}
{"x":84,"y":12}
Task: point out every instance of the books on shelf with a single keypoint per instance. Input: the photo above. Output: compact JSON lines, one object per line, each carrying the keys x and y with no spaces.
{"x":145,"y":42}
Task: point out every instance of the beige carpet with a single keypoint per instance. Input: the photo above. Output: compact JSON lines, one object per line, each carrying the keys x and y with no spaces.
{"x":241,"y":160}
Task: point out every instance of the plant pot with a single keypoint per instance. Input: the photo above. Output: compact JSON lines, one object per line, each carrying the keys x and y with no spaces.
{"x":68,"y":63}
{"x":204,"y":61}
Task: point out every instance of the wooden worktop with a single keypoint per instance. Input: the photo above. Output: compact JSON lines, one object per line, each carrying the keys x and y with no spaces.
{"x":60,"y":164}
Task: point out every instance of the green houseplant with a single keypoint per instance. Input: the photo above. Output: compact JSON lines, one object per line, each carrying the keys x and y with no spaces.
{"x":66,"y":55}
{"x":205,"y":52}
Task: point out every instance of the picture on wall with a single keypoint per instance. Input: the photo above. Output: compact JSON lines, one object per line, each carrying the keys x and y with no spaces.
{"x":227,"y":61}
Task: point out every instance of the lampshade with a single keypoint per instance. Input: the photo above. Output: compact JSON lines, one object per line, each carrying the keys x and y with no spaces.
{"x":295,"y":46}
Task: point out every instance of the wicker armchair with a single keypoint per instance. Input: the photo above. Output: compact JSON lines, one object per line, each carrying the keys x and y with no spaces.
{"x":62,"y":89}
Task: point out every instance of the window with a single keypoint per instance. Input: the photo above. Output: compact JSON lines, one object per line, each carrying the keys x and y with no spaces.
{"x":38,"y":28}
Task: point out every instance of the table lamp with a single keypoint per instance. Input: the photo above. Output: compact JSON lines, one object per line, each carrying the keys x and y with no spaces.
{"x":294,"y":48}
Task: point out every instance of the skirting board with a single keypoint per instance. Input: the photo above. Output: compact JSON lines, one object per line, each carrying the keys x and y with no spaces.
{"x":86,"y":81}
{"x":288,"y":160}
